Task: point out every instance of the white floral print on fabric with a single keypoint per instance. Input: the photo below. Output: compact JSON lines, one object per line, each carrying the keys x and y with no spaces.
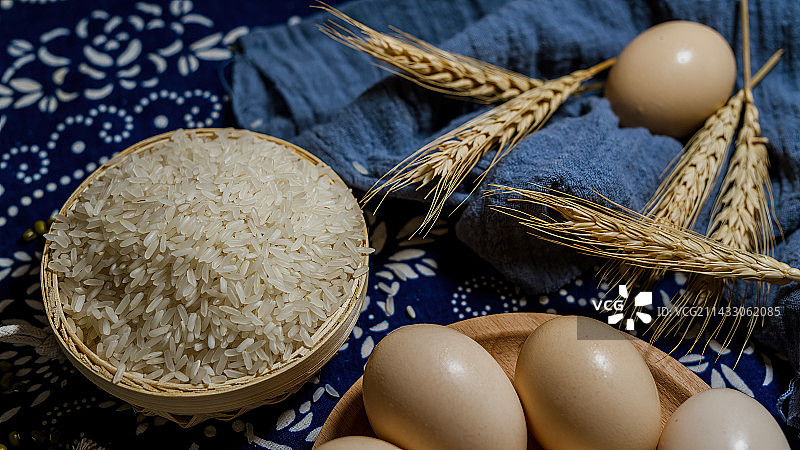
{"x":112,"y":55}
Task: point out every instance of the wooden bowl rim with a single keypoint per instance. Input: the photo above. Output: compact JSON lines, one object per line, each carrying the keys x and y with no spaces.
{"x":92,"y":363}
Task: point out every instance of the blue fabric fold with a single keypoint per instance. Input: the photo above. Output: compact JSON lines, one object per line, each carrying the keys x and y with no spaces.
{"x":296,"y":83}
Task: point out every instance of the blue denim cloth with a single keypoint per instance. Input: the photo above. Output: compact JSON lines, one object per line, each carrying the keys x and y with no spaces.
{"x":296,"y":83}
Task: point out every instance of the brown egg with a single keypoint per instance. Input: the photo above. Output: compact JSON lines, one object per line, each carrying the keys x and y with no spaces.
{"x":722,"y":419}
{"x":357,"y":443}
{"x":671,"y":78}
{"x":585,"y":386}
{"x":429,"y":387}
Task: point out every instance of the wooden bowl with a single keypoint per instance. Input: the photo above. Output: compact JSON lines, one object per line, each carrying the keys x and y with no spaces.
{"x":184,"y":403}
{"x":502,"y":335}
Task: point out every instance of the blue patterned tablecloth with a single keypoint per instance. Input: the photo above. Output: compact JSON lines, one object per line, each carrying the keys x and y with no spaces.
{"x":80,"y":81}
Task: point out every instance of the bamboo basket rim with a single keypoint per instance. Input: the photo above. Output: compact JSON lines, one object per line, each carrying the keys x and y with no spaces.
{"x":79,"y":354}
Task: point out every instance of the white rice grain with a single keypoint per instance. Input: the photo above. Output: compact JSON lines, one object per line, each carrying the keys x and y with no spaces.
{"x":204,"y":260}
{"x":118,"y":375}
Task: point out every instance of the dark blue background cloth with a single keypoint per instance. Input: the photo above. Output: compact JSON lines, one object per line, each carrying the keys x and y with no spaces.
{"x":64,"y":111}
{"x":372,"y":120}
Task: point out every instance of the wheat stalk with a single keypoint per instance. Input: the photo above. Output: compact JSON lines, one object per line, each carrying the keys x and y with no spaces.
{"x":450,"y":158}
{"x":742,"y":215}
{"x":743,"y":211}
{"x":429,"y":66}
{"x":682,"y":194}
{"x":626,"y":235}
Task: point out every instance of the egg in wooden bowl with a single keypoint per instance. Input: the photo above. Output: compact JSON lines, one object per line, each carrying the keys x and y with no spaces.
{"x":503,"y":336}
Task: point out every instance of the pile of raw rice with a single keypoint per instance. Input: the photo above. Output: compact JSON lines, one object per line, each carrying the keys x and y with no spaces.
{"x":204,"y":260}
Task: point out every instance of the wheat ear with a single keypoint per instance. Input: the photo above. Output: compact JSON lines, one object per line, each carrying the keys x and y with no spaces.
{"x":450,"y":158}
{"x":744,"y":208}
{"x":743,"y":211}
{"x":623,"y":234}
{"x":429,"y":66}
{"x":693,"y":175}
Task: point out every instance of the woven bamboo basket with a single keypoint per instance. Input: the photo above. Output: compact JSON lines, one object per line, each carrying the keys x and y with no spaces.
{"x":184,"y":403}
